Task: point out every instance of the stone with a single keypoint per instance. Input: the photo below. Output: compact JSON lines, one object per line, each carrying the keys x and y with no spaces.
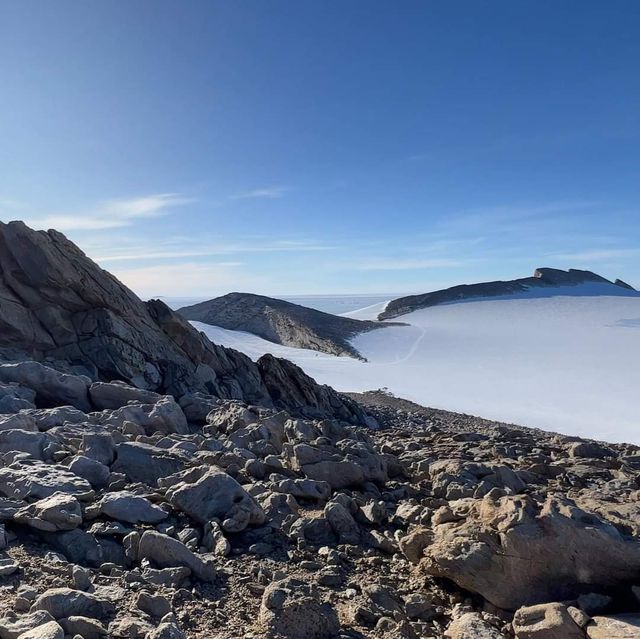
{"x":84,"y":626}
{"x":113,"y":395}
{"x":52,"y":388}
{"x":216,"y":495}
{"x":134,"y":509}
{"x":66,"y":602}
{"x":145,"y":463}
{"x":471,"y":626}
{"x":614,"y":627}
{"x":37,"y":480}
{"x":291,"y":608}
{"x":49,"y":630}
{"x":12,"y":625}
{"x":304,"y":489}
{"x":165,"y":416}
{"x":18,"y":421}
{"x":167,"y":552}
{"x":495,"y":551}
{"x":60,"y":511}
{"x":96,"y":473}
{"x":155,"y":606}
{"x":590,"y":450}
{"x":342,"y":523}
{"x":546,"y":621}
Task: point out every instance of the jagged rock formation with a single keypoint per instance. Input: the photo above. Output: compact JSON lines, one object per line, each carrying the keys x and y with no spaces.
{"x":56,"y":304}
{"x":543,"y":278}
{"x":281,"y":322}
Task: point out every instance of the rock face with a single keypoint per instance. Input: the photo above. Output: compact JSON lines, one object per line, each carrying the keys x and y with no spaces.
{"x":543,"y":278}
{"x":281,"y":322}
{"x":56,"y":304}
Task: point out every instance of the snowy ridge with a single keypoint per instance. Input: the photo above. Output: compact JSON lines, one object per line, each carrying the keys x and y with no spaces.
{"x":564,"y":363}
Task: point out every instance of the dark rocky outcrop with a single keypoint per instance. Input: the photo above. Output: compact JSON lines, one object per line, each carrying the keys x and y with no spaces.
{"x":57,"y":305}
{"x":543,"y":278}
{"x":281,"y":322}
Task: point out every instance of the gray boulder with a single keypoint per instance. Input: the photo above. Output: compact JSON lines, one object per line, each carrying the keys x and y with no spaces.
{"x":61,"y":603}
{"x":37,"y":480}
{"x":125,"y":506}
{"x":112,"y":395}
{"x":60,"y":511}
{"x":167,"y":552}
{"x":216,"y":495}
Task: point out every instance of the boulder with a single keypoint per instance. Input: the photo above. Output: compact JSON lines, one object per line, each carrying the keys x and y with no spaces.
{"x":96,"y":473}
{"x":471,"y":625}
{"x":546,"y":621}
{"x":84,"y":627}
{"x":49,"y":630}
{"x":167,"y":552}
{"x":18,"y":421}
{"x":614,"y":627}
{"x":35,"y":479}
{"x":60,"y":511}
{"x":165,"y":416}
{"x":66,"y":602}
{"x":134,"y":509}
{"x":52,"y":388}
{"x":216,"y":495}
{"x":13,"y":625}
{"x":146,"y":463}
{"x":496,"y":551}
{"x":293,"y":609}
{"x":112,"y":395}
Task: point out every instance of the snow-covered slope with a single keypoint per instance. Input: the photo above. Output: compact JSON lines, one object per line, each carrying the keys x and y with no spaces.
{"x":565,"y":363}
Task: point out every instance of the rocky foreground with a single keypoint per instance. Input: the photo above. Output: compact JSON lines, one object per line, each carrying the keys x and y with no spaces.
{"x":128,"y":514}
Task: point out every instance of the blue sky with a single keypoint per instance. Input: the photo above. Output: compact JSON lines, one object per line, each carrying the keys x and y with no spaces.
{"x":292,"y":147}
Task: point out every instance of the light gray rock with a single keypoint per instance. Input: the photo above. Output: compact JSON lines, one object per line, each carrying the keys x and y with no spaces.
{"x":145,"y":463}
{"x":50,"y":630}
{"x":112,"y":395}
{"x":546,"y":621}
{"x":614,"y":627}
{"x":13,"y":625}
{"x":471,"y":625}
{"x":293,"y":609}
{"x":18,"y":421}
{"x":167,"y":552}
{"x":96,"y":473}
{"x":61,"y":603}
{"x":52,"y":388}
{"x":216,"y":495}
{"x":60,"y":511}
{"x":165,"y":416}
{"x":38,"y":445}
{"x":134,"y":509}
{"x":37,"y":480}
{"x":304,"y":489}
{"x":84,"y":627}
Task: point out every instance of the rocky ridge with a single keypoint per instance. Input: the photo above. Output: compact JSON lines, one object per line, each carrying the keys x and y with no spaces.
{"x":151,"y":518}
{"x":281,"y":322}
{"x":543,"y":278}
{"x":58,"y":306}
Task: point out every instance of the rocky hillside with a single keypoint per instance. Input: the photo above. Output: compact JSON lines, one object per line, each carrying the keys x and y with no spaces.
{"x":146,"y":518}
{"x":56,"y":305}
{"x":543,"y":278}
{"x":281,"y":322}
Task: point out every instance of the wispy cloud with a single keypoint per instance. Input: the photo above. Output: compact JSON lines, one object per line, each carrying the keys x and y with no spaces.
{"x":596,"y":255}
{"x":269,"y":192}
{"x":112,"y":213}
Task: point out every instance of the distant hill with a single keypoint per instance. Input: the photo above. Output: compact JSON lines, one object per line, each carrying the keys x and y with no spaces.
{"x":281,"y":322}
{"x":543,"y":278}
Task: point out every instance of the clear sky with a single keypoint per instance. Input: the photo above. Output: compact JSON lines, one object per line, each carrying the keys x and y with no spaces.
{"x":326,"y":146}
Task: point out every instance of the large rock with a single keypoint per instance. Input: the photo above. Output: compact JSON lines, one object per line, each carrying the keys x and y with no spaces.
{"x":496,"y":551}
{"x":13,"y":625}
{"x":52,"y":388}
{"x":49,"y":630}
{"x":66,"y":602}
{"x":60,"y":511}
{"x":293,"y":609}
{"x":146,"y":463}
{"x":546,"y":621}
{"x":216,"y":495}
{"x":37,"y":480}
{"x":134,"y":509}
{"x":112,"y":395}
{"x":167,"y":552}
{"x":165,"y":416}
{"x":615,"y":627}
{"x":471,"y":625}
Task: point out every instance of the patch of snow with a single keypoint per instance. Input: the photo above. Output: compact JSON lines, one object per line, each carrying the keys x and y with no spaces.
{"x":564,"y":363}
{"x":368,"y":312}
